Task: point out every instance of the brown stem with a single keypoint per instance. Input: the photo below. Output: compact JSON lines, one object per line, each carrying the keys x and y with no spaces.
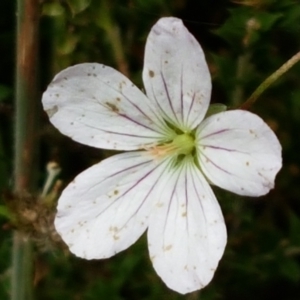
{"x":26,"y":143}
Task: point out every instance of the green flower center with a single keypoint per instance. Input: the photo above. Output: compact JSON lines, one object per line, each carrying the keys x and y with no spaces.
{"x":183,"y":144}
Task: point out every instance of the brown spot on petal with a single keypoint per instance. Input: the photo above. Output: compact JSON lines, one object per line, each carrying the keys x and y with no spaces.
{"x":151,"y":73}
{"x":167,"y":248}
{"x":112,"y":106}
{"x":113,"y":229}
{"x":253,"y":132}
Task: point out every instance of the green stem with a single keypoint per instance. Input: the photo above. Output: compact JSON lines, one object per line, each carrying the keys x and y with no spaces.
{"x":271,"y":79}
{"x":26,"y":144}
{"x":22,"y":268}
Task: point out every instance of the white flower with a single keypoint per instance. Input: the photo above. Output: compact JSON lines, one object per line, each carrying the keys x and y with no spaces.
{"x":163,"y":186}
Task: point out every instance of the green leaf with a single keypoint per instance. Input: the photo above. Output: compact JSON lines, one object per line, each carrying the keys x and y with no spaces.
{"x":52,"y":9}
{"x":215,"y":109}
{"x":266,"y":20}
{"x":77,"y":6}
{"x":104,"y":18}
{"x":68,"y":45}
{"x":290,"y":269}
{"x":245,"y":25}
{"x":4,"y":212}
{"x":291,"y":18}
{"x":234,"y":29}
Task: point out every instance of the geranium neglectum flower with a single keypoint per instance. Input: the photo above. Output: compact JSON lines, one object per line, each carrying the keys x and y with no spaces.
{"x":163,"y":186}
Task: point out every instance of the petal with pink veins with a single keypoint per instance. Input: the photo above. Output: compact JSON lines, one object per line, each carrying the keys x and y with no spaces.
{"x":176,"y":76}
{"x":238,"y":151}
{"x":98,"y":106}
{"x":186,"y":234}
{"x":106,"y":208}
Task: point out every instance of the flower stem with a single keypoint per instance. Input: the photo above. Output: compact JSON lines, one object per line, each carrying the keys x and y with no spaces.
{"x":25,"y":139}
{"x":271,"y":79}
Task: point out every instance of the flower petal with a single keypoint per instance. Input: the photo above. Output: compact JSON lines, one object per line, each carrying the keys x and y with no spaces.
{"x":106,"y":208}
{"x":98,"y":106}
{"x":176,"y":76}
{"x":186,"y":234}
{"x":237,"y":151}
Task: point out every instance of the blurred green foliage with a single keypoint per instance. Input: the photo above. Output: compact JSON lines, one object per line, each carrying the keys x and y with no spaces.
{"x":244,"y":42}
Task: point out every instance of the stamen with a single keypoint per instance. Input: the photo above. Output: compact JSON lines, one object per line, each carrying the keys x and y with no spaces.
{"x":182,"y":144}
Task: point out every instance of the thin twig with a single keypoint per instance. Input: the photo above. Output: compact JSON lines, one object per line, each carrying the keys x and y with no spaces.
{"x":271,"y":79}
